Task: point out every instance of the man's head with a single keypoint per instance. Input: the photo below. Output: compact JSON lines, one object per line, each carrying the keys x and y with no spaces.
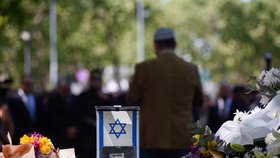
{"x":63,"y":86}
{"x":96,"y":79}
{"x":164,"y":38}
{"x":5,"y":84}
{"x":239,"y":92}
{"x":225,"y":90}
{"x":26,"y":83}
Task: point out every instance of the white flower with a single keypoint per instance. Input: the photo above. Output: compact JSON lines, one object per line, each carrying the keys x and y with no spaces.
{"x":262,"y":75}
{"x":239,"y":116}
{"x":257,"y":149}
{"x":264,"y":100}
{"x":256,"y":109}
{"x":272,"y":77}
{"x":269,"y":139}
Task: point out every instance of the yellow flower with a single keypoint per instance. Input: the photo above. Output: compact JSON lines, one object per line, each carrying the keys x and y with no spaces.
{"x":211,"y":144}
{"x":45,"y":149}
{"x":45,"y":145}
{"x":196,"y":137}
{"x":44,"y":140}
{"x":25,"y":139}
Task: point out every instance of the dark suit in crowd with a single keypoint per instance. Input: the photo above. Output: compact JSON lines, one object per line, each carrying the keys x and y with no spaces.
{"x":87,"y":115}
{"x":26,"y":109}
{"x":228,"y":101}
{"x":62,"y":116}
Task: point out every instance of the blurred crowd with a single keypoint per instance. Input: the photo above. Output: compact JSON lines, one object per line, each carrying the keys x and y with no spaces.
{"x":229,"y":99}
{"x":69,"y":120}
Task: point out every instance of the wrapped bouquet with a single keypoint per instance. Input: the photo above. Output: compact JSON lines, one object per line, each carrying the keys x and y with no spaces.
{"x":252,"y":134}
{"x":43,"y":146}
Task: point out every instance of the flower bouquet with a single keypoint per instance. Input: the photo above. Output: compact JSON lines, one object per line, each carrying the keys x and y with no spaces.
{"x":250,"y":134}
{"x":208,"y":145}
{"x":204,"y":142}
{"x":43,"y":146}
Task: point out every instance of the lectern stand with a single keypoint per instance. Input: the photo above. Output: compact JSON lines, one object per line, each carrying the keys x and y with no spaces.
{"x":117,"y":131}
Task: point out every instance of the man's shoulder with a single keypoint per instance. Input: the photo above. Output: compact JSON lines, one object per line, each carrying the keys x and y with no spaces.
{"x":146,"y":63}
{"x":14,"y":94}
{"x":191,"y":65}
{"x":186,"y":64}
{"x":152,"y":62}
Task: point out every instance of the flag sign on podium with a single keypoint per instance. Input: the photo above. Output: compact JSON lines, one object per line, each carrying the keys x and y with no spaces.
{"x":117,"y":131}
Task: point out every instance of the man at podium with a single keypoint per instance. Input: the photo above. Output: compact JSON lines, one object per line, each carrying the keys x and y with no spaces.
{"x":166,"y":89}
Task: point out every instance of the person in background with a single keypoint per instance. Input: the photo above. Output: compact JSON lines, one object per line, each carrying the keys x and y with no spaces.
{"x":204,"y":110}
{"x":6,"y":122}
{"x":62,"y":117}
{"x":223,"y":109}
{"x":119,"y":99}
{"x":240,"y":99}
{"x":87,"y":116}
{"x":165,"y":88}
{"x":26,"y":110}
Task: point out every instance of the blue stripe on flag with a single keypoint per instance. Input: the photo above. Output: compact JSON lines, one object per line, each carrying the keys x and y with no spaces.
{"x":101,"y":134}
{"x":134,"y":128}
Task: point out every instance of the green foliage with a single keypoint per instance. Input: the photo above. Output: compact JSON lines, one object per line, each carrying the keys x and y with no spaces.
{"x":251,"y":27}
{"x":90,"y":34}
{"x":229,"y":38}
{"x":266,"y":84}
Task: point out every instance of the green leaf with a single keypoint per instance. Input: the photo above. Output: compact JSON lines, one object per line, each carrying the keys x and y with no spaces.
{"x":202,"y":142}
{"x":259,"y":154}
{"x":275,"y":134}
{"x":269,"y":155}
{"x":237,"y":147}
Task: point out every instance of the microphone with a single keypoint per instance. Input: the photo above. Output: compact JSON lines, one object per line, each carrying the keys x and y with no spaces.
{"x":268,"y":59}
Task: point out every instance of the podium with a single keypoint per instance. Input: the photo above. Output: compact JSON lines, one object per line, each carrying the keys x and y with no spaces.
{"x":117,"y":131}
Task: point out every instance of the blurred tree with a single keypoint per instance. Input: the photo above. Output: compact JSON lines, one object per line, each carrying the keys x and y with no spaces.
{"x":18,"y":16}
{"x":251,"y":29}
{"x":229,"y":38}
{"x":89,"y":34}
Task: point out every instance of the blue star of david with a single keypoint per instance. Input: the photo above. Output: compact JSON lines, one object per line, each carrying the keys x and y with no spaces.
{"x":122,"y":131}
